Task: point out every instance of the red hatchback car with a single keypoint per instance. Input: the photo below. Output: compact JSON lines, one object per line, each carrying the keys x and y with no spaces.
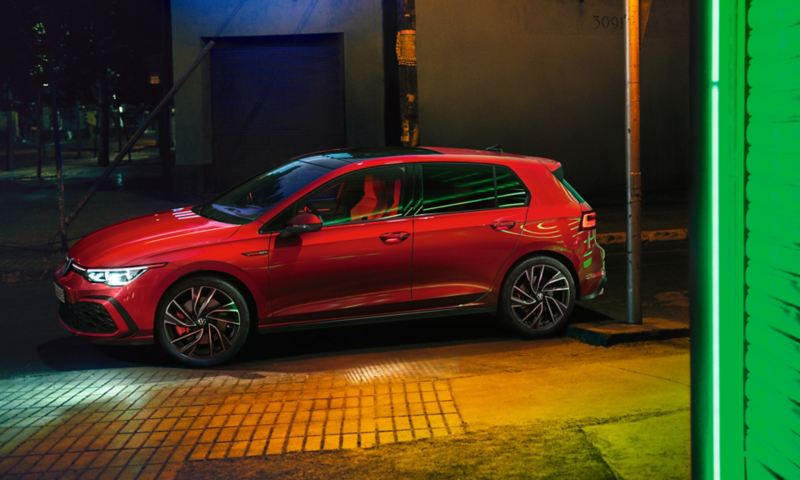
{"x":341,"y":236}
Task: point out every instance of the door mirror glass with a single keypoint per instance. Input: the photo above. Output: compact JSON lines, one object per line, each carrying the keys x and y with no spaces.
{"x":303,"y":222}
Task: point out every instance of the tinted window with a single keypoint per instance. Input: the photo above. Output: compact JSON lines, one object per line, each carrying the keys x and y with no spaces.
{"x":572,"y":191}
{"x":457,"y":187}
{"x":369,"y":194}
{"x":510,"y":190}
{"x":250,"y":200}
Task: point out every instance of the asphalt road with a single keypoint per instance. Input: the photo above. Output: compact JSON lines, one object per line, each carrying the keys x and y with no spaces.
{"x":34,"y":342}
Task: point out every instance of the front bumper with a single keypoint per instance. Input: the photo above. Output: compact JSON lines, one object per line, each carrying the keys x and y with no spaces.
{"x":102,"y":313}
{"x":97,"y":316}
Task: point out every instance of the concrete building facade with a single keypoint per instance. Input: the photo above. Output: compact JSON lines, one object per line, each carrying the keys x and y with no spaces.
{"x":540,"y":77}
{"x":356,"y":23}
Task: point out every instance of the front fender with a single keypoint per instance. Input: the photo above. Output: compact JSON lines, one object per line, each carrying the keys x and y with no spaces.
{"x":228,"y":259}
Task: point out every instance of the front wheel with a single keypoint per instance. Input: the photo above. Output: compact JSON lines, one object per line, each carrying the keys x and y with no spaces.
{"x":538,"y":296}
{"x":203,"y":321}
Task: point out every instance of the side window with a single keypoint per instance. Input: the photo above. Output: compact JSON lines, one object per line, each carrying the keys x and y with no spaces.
{"x":369,"y":194}
{"x":510,"y":190}
{"x":457,"y":187}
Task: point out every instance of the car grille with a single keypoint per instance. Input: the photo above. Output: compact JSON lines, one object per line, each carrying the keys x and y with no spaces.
{"x":87,"y":317}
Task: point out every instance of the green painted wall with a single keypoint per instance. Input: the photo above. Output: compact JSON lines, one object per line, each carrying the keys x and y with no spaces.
{"x":746,"y":245}
{"x":772,"y":355}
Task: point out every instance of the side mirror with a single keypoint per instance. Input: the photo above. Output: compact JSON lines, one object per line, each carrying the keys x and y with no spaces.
{"x":302,"y":223}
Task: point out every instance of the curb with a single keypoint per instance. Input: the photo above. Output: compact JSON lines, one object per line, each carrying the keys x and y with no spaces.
{"x":606,"y":334}
{"x":665,"y":235}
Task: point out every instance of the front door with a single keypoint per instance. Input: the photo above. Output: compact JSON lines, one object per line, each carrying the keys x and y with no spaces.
{"x":358,"y":264}
{"x":469,"y":224}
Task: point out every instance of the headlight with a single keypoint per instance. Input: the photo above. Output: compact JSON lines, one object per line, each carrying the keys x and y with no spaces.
{"x":114,"y":277}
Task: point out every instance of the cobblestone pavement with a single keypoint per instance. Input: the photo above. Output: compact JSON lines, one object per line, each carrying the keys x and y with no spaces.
{"x":146,"y":422}
{"x":158,"y":422}
{"x":152,"y":422}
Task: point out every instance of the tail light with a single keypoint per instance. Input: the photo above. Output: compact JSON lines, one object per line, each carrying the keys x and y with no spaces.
{"x":588,"y":220}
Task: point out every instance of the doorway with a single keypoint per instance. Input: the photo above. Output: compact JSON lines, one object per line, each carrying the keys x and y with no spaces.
{"x":274,"y":97}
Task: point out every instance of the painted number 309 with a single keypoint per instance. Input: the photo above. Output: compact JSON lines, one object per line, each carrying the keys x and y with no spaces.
{"x":608,"y":22}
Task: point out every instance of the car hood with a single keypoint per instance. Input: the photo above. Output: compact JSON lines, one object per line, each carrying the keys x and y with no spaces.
{"x":130,"y":242}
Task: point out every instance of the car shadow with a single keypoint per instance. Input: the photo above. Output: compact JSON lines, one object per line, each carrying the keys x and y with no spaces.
{"x":72,"y":353}
{"x":391,"y":336}
{"x":583,"y":314}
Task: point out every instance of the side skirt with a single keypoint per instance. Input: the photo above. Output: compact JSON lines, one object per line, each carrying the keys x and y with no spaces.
{"x":371,"y":319}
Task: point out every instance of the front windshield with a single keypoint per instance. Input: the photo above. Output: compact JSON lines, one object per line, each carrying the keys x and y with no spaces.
{"x":250,"y":200}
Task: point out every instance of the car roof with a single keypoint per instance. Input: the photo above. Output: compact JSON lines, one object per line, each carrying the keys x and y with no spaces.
{"x":334,"y":159}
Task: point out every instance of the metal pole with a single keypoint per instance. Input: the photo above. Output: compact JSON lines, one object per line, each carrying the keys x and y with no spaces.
{"x":62,"y":227}
{"x":634,"y":182}
{"x":79,"y":129}
{"x":11,"y":131}
{"x":104,"y":121}
{"x":41,"y":151}
{"x":135,"y":137}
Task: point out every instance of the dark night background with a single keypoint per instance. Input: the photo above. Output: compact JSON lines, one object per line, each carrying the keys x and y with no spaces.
{"x":76,"y":42}
{"x":84,"y":54}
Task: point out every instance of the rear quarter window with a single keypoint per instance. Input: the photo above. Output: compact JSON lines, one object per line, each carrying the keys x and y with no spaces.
{"x":511,"y":192}
{"x":571,"y":190}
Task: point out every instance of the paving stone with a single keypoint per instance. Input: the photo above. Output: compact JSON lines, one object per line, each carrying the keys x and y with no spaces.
{"x":146,"y":422}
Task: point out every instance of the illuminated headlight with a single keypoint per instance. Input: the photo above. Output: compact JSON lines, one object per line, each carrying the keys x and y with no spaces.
{"x":114,"y":277}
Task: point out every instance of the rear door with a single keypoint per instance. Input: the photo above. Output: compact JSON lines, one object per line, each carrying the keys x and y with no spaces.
{"x":467,"y":225}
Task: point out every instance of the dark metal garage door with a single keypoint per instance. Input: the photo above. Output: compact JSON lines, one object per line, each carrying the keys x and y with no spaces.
{"x":273,"y":98}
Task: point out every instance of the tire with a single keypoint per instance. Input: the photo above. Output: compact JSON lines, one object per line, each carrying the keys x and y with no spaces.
{"x":537,"y":297}
{"x":200,"y":339}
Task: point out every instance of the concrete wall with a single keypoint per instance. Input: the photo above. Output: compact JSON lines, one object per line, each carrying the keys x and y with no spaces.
{"x":546,"y":77}
{"x":541,"y":77}
{"x":360,"y":21}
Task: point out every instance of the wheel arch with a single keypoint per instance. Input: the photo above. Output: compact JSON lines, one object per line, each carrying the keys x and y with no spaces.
{"x":233,"y":279}
{"x":560,"y":257}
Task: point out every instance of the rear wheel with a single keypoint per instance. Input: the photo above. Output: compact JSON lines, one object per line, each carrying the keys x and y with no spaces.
{"x":538,"y":296}
{"x":203,"y":321}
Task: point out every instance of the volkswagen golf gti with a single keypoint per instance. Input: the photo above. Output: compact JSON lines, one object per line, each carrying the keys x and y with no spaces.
{"x":352,"y":235}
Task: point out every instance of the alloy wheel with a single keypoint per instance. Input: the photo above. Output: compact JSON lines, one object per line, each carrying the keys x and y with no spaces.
{"x":540,"y":297}
{"x":201,"y":322}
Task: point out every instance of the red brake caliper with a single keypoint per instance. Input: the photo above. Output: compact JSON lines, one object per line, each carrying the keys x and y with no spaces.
{"x":178,"y":329}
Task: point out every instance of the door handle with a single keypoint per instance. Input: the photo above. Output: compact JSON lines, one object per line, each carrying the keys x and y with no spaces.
{"x":391,"y":238}
{"x":503,"y":225}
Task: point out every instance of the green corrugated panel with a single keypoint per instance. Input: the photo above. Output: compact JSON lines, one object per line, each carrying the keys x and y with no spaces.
{"x":772,"y":331}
